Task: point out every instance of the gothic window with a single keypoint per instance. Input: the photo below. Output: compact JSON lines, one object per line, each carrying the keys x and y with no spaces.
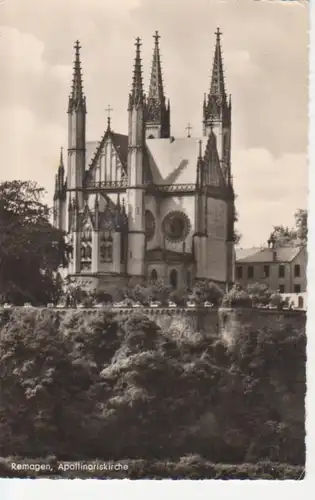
{"x":106,"y":248}
{"x":174,"y":278}
{"x":86,"y":232}
{"x":149,"y":225}
{"x":176,"y":226}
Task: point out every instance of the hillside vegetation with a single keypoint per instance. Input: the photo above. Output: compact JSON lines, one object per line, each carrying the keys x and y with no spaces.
{"x":80,"y":386}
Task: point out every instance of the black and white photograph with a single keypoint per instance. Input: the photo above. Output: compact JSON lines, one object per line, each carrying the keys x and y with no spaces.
{"x":153,"y":240}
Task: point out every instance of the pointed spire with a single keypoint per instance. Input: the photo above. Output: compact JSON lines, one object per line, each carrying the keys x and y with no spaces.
{"x":199,"y":180}
{"x":215,"y":105}
{"x":77,"y":97}
{"x":61,"y":164}
{"x":137,"y":96}
{"x":156,"y":90}
{"x":217,"y":80}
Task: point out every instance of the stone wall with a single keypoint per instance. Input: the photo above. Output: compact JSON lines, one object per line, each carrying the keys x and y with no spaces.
{"x":233,"y":321}
{"x":225,"y":322}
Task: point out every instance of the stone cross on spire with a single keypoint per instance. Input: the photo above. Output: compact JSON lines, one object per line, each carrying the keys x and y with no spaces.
{"x":189,"y":129}
{"x":108,"y":111}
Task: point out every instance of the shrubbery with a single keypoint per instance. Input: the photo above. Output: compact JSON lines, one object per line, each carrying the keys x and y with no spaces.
{"x":84,"y":385}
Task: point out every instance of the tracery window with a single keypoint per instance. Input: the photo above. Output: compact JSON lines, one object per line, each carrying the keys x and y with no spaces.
{"x":106,"y":248}
{"x":176,"y":226}
{"x":86,"y":247}
{"x":149,"y":225}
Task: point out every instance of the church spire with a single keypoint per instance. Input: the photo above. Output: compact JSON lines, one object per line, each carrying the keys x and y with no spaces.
{"x":215,"y":105}
{"x":77,"y":97}
{"x":217,"y":80}
{"x":136,"y":96}
{"x":157,"y":114}
{"x":156,"y":90}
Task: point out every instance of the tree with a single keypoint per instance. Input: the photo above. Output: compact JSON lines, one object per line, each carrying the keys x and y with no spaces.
{"x":237,"y":234}
{"x":31,"y":249}
{"x":205,"y":290}
{"x":301,"y":225}
{"x":296,"y":235}
{"x":259,"y":293}
{"x":237,"y":297}
{"x":39,"y":385}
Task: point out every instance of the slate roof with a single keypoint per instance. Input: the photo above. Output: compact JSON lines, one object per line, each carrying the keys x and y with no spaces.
{"x":257,"y":255}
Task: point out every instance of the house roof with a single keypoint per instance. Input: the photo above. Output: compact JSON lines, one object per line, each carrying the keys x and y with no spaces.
{"x":257,"y":255}
{"x":174,"y":162}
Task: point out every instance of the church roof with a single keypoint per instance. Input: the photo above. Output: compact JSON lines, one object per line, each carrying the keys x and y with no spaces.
{"x":174,"y":162}
{"x":120,"y":141}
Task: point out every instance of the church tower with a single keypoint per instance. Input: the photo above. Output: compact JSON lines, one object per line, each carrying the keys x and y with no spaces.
{"x":76,"y":132}
{"x":135,"y":190}
{"x":157,"y":113}
{"x":217,"y":110}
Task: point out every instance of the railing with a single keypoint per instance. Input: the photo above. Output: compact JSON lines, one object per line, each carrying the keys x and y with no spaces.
{"x":110,"y":185}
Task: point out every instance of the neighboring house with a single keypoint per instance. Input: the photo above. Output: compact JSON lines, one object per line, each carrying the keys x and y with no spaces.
{"x":283,"y":268}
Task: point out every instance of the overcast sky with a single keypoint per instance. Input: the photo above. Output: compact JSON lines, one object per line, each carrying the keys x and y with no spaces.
{"x":265,"y":59}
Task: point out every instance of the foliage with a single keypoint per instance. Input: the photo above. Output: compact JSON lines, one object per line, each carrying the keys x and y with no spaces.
{"x":179,"y":296}
{"x":207,"y":291}
{"x":236,"y":297}
{"x":31,"y":250}
{"x":259,"y":293}
{"x":92,"y":385}
{"x":145,"y":293}
{"x":296,"y":235}
{"x":276,"y":300}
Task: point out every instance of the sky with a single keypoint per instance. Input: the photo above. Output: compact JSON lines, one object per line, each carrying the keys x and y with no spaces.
{"x":265,"y":51}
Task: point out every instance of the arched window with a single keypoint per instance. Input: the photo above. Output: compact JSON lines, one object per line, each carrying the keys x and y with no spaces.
{"x":173,"y":278}
{"x":300,"y":302}
{"x":106,"y":248}
{"x":154,"y":276}
{"x":88,"y":252}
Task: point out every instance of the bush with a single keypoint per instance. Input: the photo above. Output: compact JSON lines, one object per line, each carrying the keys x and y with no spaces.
{"x":259,"y":293}
{"x":207,"y":291}
{"x":237,"y":297}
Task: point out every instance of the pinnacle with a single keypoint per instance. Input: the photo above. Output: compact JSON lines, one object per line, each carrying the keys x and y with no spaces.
{"x":137,"y":86}
{"x":156,"y":90}
{"x":77,"y":82}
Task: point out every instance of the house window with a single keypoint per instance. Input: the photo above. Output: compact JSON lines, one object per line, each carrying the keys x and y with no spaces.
{"x":281,"y":288}
{"x":297,"y":271}
{"x":281,"y":271}
{"x":297,"y":288}
{"x":250,"y":272}
{"x":266,"y":271}
{"x":239,"y":272}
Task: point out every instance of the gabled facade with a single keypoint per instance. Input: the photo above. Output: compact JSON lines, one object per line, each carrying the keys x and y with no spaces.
{"x":148,"y":205}
{"x":282,"y":268}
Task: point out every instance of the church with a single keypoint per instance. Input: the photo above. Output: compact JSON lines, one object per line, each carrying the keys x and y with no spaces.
{"x":147,"y":205}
